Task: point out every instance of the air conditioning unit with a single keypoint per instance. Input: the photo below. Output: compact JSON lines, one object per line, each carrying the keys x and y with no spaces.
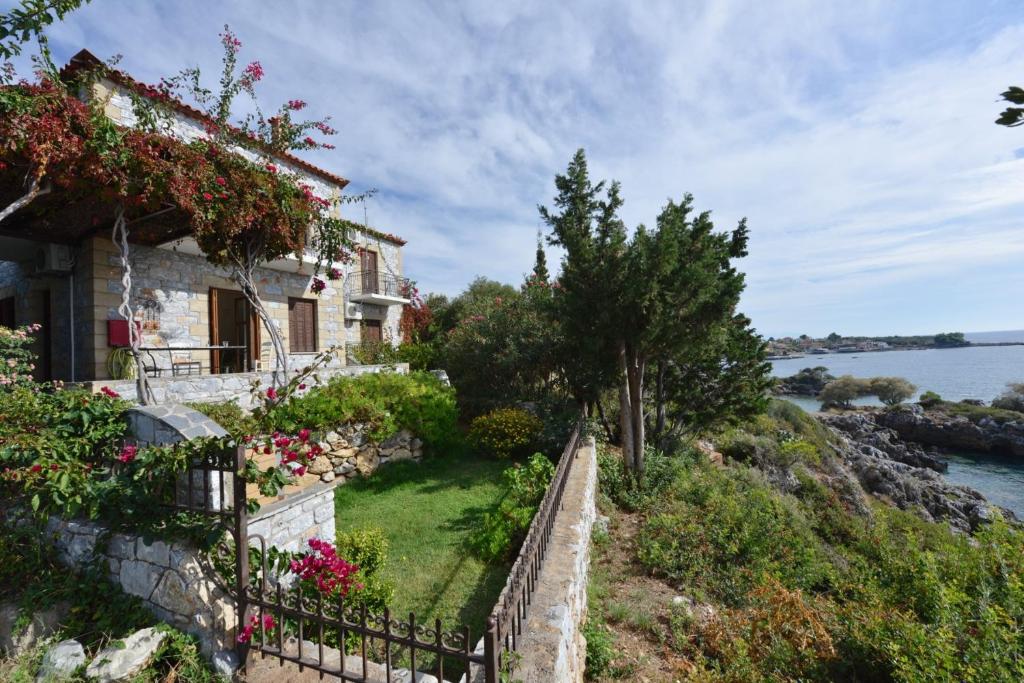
{"x":53,"y":258}
{"x":353,"y":311}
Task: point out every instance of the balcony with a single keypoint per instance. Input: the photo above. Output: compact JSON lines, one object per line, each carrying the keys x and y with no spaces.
{"x":376,"y":287}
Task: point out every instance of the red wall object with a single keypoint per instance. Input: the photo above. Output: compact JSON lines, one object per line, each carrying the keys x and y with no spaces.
{"x":117,"y":332}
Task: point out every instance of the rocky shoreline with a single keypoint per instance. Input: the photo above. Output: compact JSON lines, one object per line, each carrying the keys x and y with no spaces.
{"x":876,"y":446}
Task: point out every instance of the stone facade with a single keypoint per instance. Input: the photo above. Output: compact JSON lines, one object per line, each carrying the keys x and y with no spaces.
{"x":552,"y":646}
{"x":349,"y":453}
{"x":227,"y":387}
{"x":173,"y":284}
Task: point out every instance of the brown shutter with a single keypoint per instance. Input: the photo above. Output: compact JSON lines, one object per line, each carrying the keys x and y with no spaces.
{"x":302,"y":325}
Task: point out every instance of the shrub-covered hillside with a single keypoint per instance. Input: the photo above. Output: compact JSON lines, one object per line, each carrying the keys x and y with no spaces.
{"x":709,"y":572}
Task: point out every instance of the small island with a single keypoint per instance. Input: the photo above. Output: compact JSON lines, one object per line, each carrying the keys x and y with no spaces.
{"x":790,"y":347}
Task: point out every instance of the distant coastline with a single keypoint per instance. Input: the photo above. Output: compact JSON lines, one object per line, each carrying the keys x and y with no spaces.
{"x":786,"y":348}
{"x":803,"y":354}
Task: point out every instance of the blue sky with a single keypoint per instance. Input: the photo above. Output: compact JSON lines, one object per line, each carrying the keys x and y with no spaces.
{"x":857,"y":138}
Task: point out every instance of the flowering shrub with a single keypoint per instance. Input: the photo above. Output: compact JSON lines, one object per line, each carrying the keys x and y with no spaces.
{"x":323,"y":569}
{"x":503,"y":531}
{"x":17,"y":362}
{"x":505,"y":432}
{"x":387,"y":402}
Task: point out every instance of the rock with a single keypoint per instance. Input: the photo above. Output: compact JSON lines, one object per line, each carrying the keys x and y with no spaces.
{"x":601,"y":524}
{"x":61,"y":660}
{"x":335,"y":440}
{"x":920,"y":489}
{"x":367,"y":460}
{"x":401,"y":454}
{"x":327,"y":476}
{"x":224,"y":663}
{"x":864,"y":428}
{"x":344,"y":453}
{"x":345,"y":468}
{"x":938,"y":428}
{"x":320,"y":465}
{"x":125,"y":658}
{"x":42,"y":625}
{"x":700,"y":613}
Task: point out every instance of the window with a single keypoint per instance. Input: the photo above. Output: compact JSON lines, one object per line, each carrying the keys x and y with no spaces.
{"x":302,"y":325}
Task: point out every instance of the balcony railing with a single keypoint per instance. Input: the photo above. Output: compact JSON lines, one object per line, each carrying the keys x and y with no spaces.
{"x":377,"y":287}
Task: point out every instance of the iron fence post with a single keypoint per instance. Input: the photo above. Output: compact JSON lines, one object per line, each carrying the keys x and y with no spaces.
{"x":241,"y":533}
{"x":492,"y":652}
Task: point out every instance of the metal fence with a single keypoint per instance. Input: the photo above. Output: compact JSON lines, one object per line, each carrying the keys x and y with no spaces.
{"x":505,"y":624}
{"x":345,"y":642}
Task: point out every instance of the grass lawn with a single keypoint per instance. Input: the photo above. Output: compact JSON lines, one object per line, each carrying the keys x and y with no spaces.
{"x":427,"y":510}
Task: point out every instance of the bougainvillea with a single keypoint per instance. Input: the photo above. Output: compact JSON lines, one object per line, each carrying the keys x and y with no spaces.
{"x":324,"y":569}
{"x":241,"y":207}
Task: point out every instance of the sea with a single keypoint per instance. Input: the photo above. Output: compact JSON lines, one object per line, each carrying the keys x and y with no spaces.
{"x":955,"y":374}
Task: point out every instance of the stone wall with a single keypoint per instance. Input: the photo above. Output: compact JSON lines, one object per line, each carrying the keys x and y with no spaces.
{"x":225,"y":387}
{"x":290,"y":523}
{"x":177,"y":583}
{"x":552,"y":645}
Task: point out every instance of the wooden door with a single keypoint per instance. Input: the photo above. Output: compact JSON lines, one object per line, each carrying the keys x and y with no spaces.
{"x":368,"y":265}
{"x":214,"y":329}
{"x":372,"y":332}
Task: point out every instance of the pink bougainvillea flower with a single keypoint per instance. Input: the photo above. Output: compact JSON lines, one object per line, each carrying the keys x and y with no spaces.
{"x":296,"y":105}
{"x":110,"y":393}
{"x":128,"y":453}
{"x":317,"y":285}
{"x":334,"y":274}
{"x":272,"y":393}
{"x":300,"y":470}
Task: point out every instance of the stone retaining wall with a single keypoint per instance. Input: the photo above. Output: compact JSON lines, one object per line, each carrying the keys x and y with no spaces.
{"x":226,"y":387}
{"x":290,"y":523}
{"x":176,"y":583}
{"x":552,"y":646}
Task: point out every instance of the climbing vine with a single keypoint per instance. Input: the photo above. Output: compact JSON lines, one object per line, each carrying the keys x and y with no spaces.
{"x":241,"y":206}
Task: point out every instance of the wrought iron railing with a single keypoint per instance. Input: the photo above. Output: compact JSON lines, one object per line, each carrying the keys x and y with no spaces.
{"x":505,"y":623}
{"x":368,"y":645}
{"x":363,"y":282}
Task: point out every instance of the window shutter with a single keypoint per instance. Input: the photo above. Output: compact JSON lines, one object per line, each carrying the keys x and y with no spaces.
{"x":302,"y":325}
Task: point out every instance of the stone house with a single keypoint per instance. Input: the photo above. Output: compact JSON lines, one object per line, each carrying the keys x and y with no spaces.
{"x":64,"y":272}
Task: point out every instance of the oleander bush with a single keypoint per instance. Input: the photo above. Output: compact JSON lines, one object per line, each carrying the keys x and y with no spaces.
{"x":386,"y":401}
{"x":503,"y":531}
{"x":505,"y":432}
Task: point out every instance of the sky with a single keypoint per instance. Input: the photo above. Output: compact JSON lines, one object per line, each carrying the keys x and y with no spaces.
{"x":856,"y":138}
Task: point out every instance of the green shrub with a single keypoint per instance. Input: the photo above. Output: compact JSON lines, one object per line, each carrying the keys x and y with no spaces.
{"x":17,"y":362}
{"x":419,"y":355}
{"x":368,"y":548}
{"x":624,"y":490}
{"x":600,"y":648}
{"x":720,"y":530}
{"x":839,"y":393}
{"x":229,"y":415}
{"x":930,"y":399}
{"x":502,"y":531}
{"x":892,"y":390}
{"x":505,"y":432}
{"x":385,"y":401}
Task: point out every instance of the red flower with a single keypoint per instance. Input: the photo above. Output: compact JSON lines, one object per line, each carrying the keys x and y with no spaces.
{"x":36,"y":468}
{"x":271,"y":167}
{"x":272,"y":393}
{"x":54,"y":467}
{"x":303,"y":435}
{"x":107,"y":391}
{"x":221,"y":181}
{"x":128,"y":453}
{"x":317,"y":285}
{"x":301,"y":387}
{"x":254,"y":71}
{"x":296,"y":105}
{"x":300,"y":470}
{"x":207,"y":196}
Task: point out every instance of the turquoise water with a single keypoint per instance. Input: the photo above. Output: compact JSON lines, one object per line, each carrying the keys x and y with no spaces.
{"x":954,"y":374}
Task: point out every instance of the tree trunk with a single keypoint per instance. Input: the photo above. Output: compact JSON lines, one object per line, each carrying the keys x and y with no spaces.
{"x":244,"y":276}
{"x":659,"y":398}
{"x":120,"y":238}
{"x":35,"y":189}
{"x":635,"y":377}
{"x":604,"y":421}
{"x":625,"y":414}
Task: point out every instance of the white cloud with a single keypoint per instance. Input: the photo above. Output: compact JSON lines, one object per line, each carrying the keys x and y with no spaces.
{"x":857,"y":137}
